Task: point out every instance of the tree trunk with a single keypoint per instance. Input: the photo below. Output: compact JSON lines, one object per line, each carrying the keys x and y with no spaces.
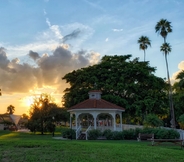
{"x":173,"y":125}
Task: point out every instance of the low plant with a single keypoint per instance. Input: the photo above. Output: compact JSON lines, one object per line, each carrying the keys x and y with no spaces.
{"x":108,"y":134}
{"x":69,"y":133}
{"x":94,"y":134}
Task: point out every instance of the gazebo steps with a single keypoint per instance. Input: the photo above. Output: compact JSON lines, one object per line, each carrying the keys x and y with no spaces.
{"x":82,"y":136}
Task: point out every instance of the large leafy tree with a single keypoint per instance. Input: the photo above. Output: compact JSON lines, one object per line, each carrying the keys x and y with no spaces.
{"x":178,"y":96}
{"x":10,"y":109}
{"x":42,"y":114}
{"x":144,"y":42}
{"x":163,"y":27}
{"x":125,"y":82}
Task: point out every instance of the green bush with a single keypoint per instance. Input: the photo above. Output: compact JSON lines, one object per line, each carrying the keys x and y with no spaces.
{"x":173,"y":134}
{"x":108,"y":134}
{"x":161,"y":133}
{"x":67,"y":133}
{"x":129,"y":134}
{"x":117,"y":135}
{"x":94,"y":134}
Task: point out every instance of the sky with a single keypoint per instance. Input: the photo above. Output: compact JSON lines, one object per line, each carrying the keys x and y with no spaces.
{"x":42,"y":40}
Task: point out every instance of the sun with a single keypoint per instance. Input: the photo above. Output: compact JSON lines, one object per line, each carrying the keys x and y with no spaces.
{"x":28,"y":101}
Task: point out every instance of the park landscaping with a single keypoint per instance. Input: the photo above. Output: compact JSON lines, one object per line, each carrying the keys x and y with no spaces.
{"x":21,"y":147}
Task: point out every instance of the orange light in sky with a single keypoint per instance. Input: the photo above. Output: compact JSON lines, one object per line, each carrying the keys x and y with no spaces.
{"x":28,"y":101}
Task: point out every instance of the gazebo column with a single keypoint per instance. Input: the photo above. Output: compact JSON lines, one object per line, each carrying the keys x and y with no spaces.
{"x":114,"y":116}
{"x":94,"y":116}
{"x":114,"y":120}
{"x":120,"y":121}
{"x":76,"y":120}
{"x":71,"y":120}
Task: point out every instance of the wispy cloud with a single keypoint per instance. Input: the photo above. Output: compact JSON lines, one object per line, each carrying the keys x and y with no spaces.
{"x":117,"y":30}
{"x":44,"y":12}
{"x":95,"y":5}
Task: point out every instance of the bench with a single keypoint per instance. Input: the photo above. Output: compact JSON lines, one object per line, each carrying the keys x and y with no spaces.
{"x":142,"y":136}
{"x":179,"y":142}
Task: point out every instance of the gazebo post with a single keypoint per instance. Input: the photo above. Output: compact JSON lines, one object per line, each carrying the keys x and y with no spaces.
{"x":76,"y":119}
{"x":121,"y":121}
{"x":114,"y":116}
{"x":70,"y":120}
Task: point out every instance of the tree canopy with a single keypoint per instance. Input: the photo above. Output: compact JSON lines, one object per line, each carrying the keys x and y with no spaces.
{"x":125,"y":82}
{"x":43,"y":113}
{"x":10,"y":109}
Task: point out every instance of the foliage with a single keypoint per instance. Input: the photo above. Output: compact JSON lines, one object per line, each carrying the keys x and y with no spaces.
{"x":67,"y":133}
{"x":108,"y":134}
{"x":128,"y":83}
{"x":181,"y":121}
{"x":94,"y":134}
{"x":42,"y":114}
{"x":10,"y":109}
{"x":163,"y":27}
{"x":178,"y":96}
{"x":162,"y":133}
{"x":130,"y":134}
{"x":144,"y":42}
{"x":152,"y":120}
{"x":118,"y":135}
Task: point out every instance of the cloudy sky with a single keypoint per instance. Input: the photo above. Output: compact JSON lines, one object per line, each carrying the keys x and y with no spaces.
{"x":42,"y":40}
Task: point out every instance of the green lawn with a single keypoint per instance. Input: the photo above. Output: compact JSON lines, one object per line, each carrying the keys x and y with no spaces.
{"x":27,"y":147}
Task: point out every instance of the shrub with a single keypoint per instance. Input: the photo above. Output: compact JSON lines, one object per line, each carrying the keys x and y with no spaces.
{"x":108,"y":134}
{"x":173,"y":134}
{"x":94,"y":134}
{"x":117,"y":135}
{"x":67,"y":133}
{"x":129,"y":134}
{"x":161,"y":133}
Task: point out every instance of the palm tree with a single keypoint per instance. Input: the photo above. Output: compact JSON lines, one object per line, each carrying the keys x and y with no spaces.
{"x":144,"y":42}
{"x":163,"y":27}
{"x":10,"y":109}
{"x":166,"y":49}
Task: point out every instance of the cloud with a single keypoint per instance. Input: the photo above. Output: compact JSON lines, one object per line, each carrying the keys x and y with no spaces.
{"x":117,"y":30}
{"x":72,"y":35}
{"x":44,"y":12}
{"x":49,"y":69}
{"x":95,"y":5}
{"x":174,"y":75}
{"x":33,"y":55}
{"x":107,"y":39}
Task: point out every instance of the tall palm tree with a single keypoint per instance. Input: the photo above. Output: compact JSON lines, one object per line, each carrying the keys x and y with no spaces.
{"x":144,"y":42}
{"x":10,"y":109}
{"x":166,"y":49}
{"x":163,"y":27}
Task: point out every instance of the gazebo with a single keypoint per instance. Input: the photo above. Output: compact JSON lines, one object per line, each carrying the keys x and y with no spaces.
{"x":95,"y":113}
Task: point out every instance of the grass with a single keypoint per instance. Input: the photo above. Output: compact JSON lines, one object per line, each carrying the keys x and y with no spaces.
{"x":27,"y":147}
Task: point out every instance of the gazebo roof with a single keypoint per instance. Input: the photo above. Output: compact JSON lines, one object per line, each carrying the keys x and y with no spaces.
{"x":96,"y":104}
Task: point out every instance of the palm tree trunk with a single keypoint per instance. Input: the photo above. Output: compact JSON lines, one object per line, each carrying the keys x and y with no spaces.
{"x":173,"y":125}
{"x":144,"y":55}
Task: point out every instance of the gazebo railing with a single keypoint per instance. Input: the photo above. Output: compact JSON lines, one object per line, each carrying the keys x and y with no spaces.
{"x":86,"y":132}
{"x":78,"y":131}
